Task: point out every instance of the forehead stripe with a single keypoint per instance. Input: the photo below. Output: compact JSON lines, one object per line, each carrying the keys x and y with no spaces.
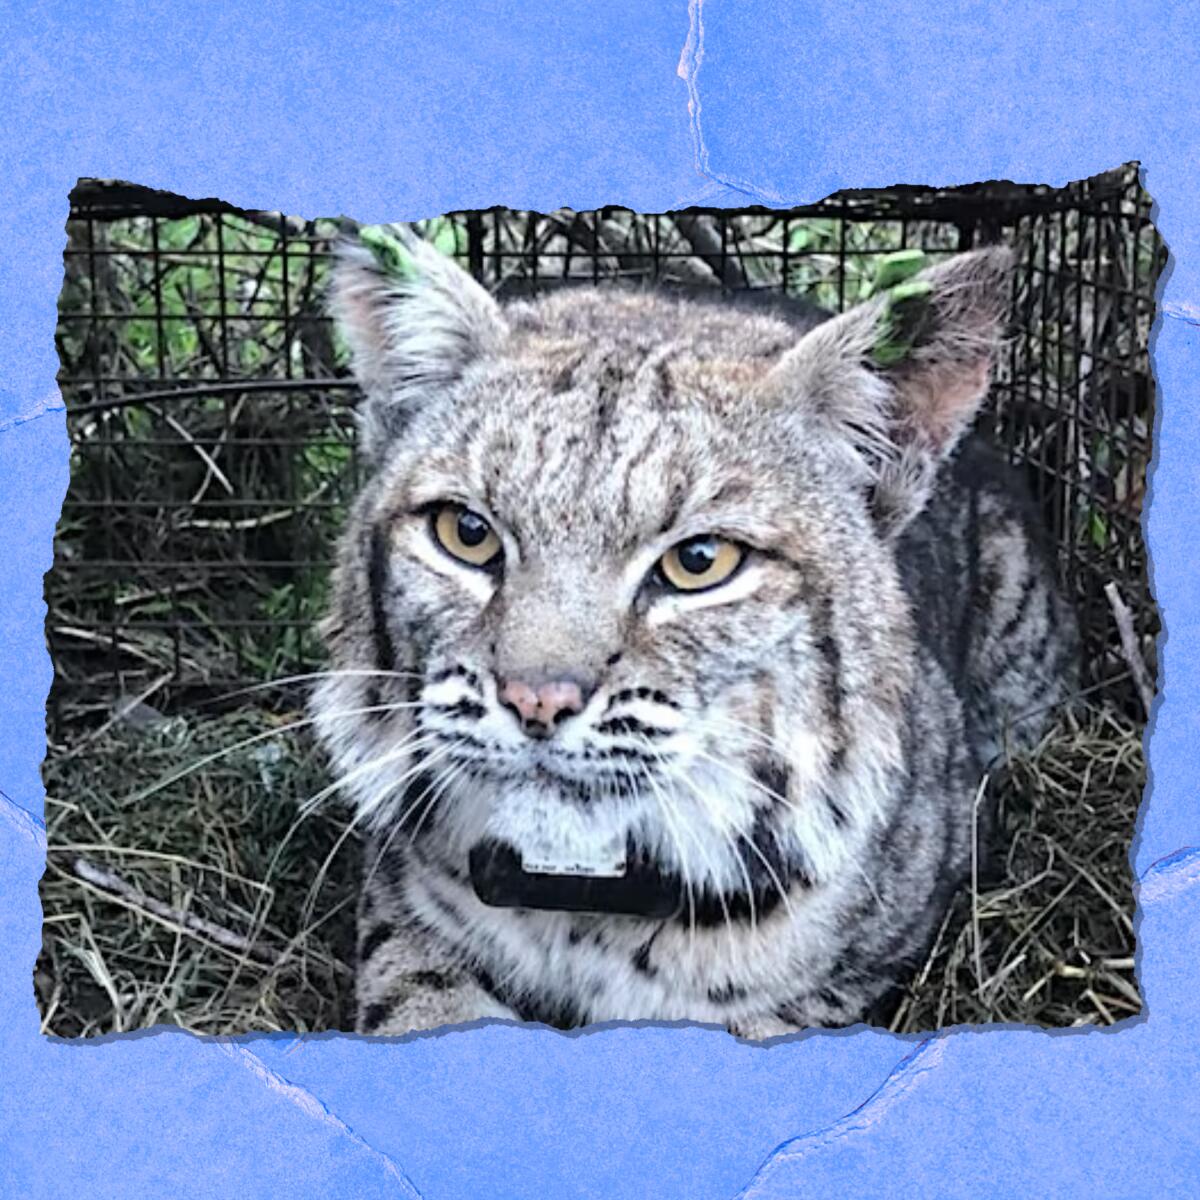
{"x":377,"y":580}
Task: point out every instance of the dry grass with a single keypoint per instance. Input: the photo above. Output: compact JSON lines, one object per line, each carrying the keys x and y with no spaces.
{"x":203,"y":904}
{"x":1046,"y":938}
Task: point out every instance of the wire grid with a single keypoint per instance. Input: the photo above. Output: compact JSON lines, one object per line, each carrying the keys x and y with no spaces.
{"x":210,"y":412}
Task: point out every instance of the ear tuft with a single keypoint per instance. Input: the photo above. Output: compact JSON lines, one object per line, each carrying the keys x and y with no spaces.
{"x":897,"y":380}
{"x":944,"y":377}
{"x":414,"y":322}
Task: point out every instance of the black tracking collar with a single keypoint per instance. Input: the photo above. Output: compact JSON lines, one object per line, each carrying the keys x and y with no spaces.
{"x":501,"y":881}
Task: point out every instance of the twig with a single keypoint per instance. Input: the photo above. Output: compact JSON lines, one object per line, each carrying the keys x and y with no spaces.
{"x":219,"y":445}
{"x":978,"y":954}
{"x":699,"y":231}
{"x":240,"y":523}
{"x":204,"y":455}
{"x":1130,"y":650}
{"x":101,"y":639}
{"x":121,"y":711}
{"x":116,"y":887}
{"x":157,"y":856}
{"x":603,"y":239}
{"x":227,"y":387}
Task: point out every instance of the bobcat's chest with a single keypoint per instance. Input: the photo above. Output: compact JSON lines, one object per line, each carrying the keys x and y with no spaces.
{"x":569,"y":969}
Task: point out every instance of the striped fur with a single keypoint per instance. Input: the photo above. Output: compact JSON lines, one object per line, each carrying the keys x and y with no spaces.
{"x":798,"y":750}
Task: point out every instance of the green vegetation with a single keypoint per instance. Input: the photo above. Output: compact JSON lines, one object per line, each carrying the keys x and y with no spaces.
{"x":214,"y":509}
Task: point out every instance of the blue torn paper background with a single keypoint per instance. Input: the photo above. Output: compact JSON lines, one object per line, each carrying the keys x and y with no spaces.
{"x":404,"y":110}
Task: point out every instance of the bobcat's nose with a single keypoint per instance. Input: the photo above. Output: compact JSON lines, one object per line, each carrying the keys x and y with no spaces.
{"x":542,"y":706}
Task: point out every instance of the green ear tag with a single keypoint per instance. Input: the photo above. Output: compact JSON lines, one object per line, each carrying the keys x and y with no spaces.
{"x":903,"y":298}
{"x":389,"y":251}
{"x":894,"y":268}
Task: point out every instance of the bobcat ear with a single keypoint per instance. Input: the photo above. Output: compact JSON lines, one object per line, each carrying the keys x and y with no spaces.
{"x":413,"y":328}
{"x":900,"y":377}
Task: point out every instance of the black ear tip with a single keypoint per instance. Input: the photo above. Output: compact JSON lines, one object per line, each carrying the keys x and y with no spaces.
{"x":346,"y":234}
{"x":348,"y":253}
{"x":991,"y":263}
{"x":1000,"y":256}
{"x":981,"y":277}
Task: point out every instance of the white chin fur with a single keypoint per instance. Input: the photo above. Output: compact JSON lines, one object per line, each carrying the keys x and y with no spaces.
{"x":689,"y":823}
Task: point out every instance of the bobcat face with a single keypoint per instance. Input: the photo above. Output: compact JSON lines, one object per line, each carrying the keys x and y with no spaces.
{"x":623,"y":577}
{"x":634,"y":627}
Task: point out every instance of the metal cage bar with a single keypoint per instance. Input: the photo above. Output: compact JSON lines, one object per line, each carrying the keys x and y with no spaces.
{"x":211,"y":417}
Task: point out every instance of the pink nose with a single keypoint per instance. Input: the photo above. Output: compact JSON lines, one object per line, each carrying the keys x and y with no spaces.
{"x":544,"y":706}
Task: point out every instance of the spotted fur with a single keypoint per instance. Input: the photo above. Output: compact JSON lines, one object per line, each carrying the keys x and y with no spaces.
{"x":799,"y":749}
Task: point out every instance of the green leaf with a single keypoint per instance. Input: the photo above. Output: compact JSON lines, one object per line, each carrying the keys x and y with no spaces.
{"x":177,"y":234}
{"x":445,"y":236}
{"x":898,"y":322}
{"x":389,"y":251}
{"x":892,"y":270}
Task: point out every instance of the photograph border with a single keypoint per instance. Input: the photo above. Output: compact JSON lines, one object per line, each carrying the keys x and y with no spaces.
{"x":404,"y":111}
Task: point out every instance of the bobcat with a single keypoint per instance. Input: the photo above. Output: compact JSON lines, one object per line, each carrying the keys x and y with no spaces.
{"x":669,"y":642}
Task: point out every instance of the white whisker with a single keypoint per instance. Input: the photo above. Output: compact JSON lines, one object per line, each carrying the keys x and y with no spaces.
{"x":284,"y":680}
{"x":438,"y":786}
{"x":703,"y":799}
{"x":666,"y":803}
{"x":278,"y":731}
{"x":676,"y":841}
{"x":784,"y":800}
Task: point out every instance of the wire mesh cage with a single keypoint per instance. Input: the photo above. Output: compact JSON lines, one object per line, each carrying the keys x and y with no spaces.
{"x":210,"y":413}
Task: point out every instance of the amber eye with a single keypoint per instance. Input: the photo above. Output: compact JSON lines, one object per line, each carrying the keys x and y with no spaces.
{"x":465,"y":535}
{"x":700,"y":563}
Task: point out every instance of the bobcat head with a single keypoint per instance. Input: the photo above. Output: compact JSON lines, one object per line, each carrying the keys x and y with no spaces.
{"x":623,"y":580}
